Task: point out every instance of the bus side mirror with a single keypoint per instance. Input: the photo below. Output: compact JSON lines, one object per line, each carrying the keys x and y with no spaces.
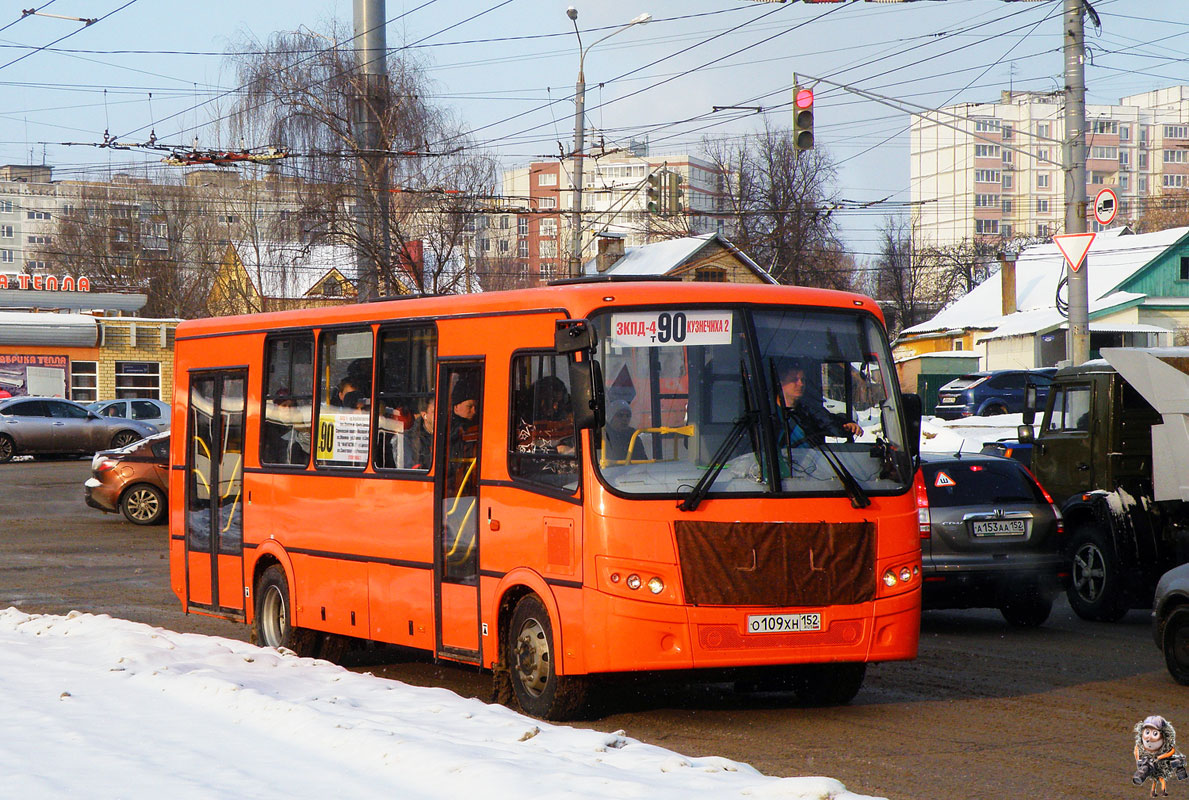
{"x":1029,"y":404}
{"x":571,"y":337}
{"x":586,"y":393}
{"x":912,"y":418}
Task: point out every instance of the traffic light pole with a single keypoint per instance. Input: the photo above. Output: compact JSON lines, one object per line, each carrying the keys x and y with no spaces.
{"x":1073,"y":157}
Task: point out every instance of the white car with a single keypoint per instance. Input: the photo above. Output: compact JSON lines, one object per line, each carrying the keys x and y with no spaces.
{"x":1170,"y":615}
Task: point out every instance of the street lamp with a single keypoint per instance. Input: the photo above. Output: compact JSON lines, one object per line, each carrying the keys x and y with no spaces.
{"x":579,"y":131}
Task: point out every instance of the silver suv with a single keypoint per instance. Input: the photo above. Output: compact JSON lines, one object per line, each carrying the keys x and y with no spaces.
{"x":990,"y":537}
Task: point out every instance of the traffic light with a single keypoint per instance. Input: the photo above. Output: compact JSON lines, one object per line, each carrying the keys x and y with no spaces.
{"x":675,"y":206}
{"x":802,"y":119}
{"x":654,"y":193}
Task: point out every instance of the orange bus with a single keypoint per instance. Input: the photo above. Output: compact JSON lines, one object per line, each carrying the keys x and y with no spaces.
{"x":556,"y":484}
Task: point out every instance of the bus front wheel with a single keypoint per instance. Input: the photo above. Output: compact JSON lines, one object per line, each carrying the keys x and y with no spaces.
{"x":271,"y":627}
{"x":532,"y":662}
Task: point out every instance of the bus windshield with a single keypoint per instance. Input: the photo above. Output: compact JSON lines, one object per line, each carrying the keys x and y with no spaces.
{"x":748,"y":401}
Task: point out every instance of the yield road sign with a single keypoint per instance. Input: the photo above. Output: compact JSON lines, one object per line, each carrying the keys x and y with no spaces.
{"x":1106,"y":205}
{"x":1074,"y":247}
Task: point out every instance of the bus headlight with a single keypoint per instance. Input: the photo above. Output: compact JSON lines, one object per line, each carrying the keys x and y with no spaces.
{"x":634,"y":581}
{"x":656,"y":585}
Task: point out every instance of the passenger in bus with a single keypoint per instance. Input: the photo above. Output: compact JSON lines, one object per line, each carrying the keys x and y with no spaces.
{"x":348,"y":394}
{"x":464,"y":419}
{"x":805,"y":417}
{"x":618,"y":434}
{"x":295,"y":441}
{"x":413,"y":447}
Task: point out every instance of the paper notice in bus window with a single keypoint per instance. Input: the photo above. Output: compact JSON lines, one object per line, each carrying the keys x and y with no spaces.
{"x":343,"y":438}
{"x":671,"y":328}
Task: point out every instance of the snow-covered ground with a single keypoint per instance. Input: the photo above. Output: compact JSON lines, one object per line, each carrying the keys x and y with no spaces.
{"x":967,"y":435}
{"x":95,"y":707}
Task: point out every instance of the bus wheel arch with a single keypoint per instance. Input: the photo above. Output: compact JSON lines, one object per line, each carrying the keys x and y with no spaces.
{"x":532,"y":655}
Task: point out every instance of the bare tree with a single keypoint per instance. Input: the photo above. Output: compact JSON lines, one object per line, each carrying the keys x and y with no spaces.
{"x":901,"y":284}
{"x":780,"y":204}
{"x":1168,"y":210}
{"x":157,"y":238}
{"x":301,"y":91}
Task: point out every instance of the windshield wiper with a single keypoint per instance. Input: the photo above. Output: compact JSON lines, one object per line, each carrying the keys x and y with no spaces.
{"x":813,"y":435}
{"x":698,"y":493}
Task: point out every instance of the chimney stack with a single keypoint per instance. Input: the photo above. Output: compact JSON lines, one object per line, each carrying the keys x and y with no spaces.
{"x":1007,"y":282}
{"x":610,"y":250}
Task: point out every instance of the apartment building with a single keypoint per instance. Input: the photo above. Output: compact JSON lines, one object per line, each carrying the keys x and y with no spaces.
{"x":993,"y":170}
{"x":534,"y":228}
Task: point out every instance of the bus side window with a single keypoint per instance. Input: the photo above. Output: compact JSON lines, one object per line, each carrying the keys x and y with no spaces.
{"x":345,"y":398}
{"x":405,"y":375}
{"x":543,"y":443}
{"x":288,"y":400}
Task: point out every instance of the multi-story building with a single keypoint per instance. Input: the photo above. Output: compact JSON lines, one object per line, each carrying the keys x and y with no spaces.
{"x":993,"y":170}
{"x":615,"y":199}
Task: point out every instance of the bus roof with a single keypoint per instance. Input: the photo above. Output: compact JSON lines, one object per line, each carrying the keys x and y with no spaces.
{"x":576,"y":299}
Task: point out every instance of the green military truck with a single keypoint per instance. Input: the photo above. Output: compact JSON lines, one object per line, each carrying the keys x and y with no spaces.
{"x":1113,"y":451}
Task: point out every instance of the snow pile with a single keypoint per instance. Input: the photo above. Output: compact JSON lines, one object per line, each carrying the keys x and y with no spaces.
{"x":969,"y":433}
{"x":99,"y":707}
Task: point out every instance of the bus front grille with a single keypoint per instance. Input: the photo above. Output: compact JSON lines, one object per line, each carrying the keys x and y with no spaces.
{"x":779,"y":564}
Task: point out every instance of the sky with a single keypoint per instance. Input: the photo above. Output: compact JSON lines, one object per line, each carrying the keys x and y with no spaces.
{"x":506,"y":69}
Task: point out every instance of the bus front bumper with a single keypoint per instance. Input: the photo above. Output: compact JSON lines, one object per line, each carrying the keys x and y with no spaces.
{"x":640,"y":636}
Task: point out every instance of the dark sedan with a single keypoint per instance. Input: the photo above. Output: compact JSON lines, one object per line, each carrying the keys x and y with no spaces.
{"x":53,"y":426}
{"x":990,"y":537}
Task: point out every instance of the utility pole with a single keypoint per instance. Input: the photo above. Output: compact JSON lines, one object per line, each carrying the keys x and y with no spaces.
{"x":371,"y":171}
{"x":1073,"y":157}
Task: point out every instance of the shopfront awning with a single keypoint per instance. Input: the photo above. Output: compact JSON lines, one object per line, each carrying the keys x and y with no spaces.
{"x":48,"y":330}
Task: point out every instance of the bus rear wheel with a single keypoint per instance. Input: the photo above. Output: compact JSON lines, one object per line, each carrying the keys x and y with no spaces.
{"x":532,"y":661}
{"x":271,"y":626}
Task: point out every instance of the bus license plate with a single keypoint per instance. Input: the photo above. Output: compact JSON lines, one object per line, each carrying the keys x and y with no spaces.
{"x":783,"y":623}
{"x":1006,"y":527}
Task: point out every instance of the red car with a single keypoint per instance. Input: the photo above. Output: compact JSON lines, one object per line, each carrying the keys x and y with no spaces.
{"x":133,"y":480}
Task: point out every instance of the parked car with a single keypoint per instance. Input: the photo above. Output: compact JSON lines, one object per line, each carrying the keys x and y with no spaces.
{"x":990,"y":537}
{"x":1010,"y":448}
{"x":154,"y":412}
{"x":133,"y":479}
{"x":1170,"y":618}
{"x":50,"y":425}
{"x":988,"y":393}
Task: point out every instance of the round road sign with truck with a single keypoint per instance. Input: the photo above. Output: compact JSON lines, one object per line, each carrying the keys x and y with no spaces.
{"x":1106,"y":205}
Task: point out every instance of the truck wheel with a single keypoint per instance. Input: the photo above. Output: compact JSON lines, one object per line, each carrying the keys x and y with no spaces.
{"x":828,"y":684}
{"x":532,"y":660}
{"x":1175,"y":644}
{"x":1096,"y":585}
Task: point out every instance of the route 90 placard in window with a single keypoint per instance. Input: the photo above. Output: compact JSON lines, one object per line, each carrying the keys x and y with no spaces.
{"x":671,"y":328}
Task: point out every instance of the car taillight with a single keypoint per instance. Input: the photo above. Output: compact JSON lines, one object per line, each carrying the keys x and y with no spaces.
{"x":924,"y":522}
{"x":1048,"y":498}
{"x":105,"y":465}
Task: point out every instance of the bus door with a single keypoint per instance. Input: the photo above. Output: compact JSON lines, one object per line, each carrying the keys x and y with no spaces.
{"x":214,"y":485}
{"x":456,"y":492}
